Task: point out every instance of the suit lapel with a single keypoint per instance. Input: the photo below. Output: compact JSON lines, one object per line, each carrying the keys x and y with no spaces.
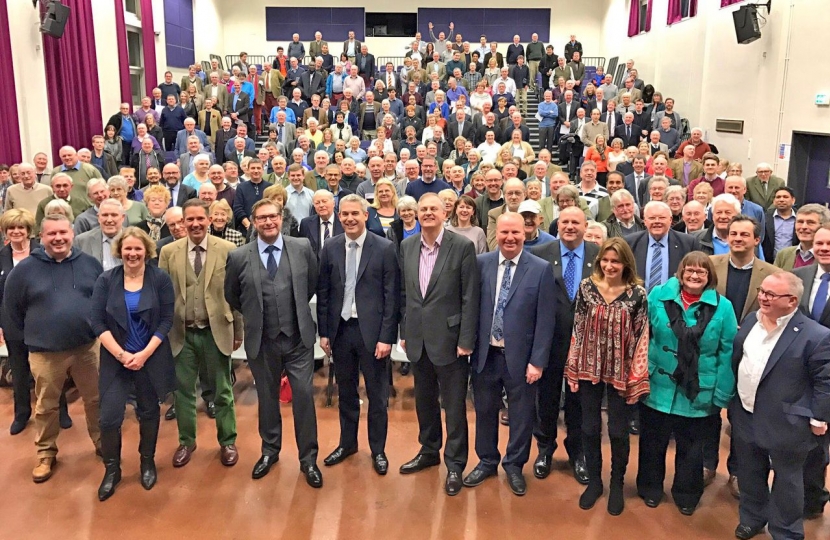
{"x":210,"y":260}
{"x":364,"y":256}
{"x":521,"y":269}
{"x":808,"y":290}
{"x":787,"y":337}
{"x":492,"y":276}
{"x":340,"y":250}
{"x":443,"y":253}
{"x":758,"y":275}
{"x":721,"y":268}
{"x":181,"y":262}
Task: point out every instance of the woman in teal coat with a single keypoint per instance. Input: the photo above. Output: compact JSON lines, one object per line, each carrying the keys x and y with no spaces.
{"x":691,"y":378}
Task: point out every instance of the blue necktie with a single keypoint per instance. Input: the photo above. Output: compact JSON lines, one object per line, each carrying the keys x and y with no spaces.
{"x":272,"y":261}
{"x":656,"y":272}
{"x":821,"y":298}
{"x":351,"y":281}
{"x":570,"y":275}
{"x":498,"y":317}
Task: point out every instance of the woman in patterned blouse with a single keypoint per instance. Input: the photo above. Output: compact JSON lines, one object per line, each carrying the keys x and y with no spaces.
{"x":609,"y":351}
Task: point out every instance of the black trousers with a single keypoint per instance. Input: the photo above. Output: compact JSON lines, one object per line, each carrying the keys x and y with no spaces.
{"x":114,"y":399}
{"x":711,"y":447}
{"x":590,"y":396}
{"x":656,"y":429}
{"x":450,"y":383}
{"x":126,"y":153}
{"x":815,"y":474}
{"x":22,"y":381}
{"x":521,"y":402}
{"x":298,"y":361}
{"x":546,"y":138}
{"x":781,"y":507}
{"x":547,"y":411}
{"x":169,"y":140}
{"x":350,"y":358}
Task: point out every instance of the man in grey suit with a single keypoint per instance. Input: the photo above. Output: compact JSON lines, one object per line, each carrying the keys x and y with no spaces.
{"x":439,"y":282}
{"x":98,"y":242}
{"x":271,"y":281}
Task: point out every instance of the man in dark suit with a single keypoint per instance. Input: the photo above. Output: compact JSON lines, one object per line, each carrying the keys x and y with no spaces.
{"x":365,"y":62}
{"x":312,"y":83}
{"x":512,"y":350}
{"x":225,"y":134}
{"x":567,"y":113}
{"x":815,"y":305}
{"x":179,"y":194}
{"x":239,"y":152}
{"x":358,"y":295}
{"x":612,"y":119}
{"x":628,"y":131}
{"x":323,"y":225}
{"x":461,"y":126}
{"x":572,"y":259}
{"x":781,"y":215}
{"x":637,"y":182}
{"x":239,"y":105}
{"x":439,"y":278}
{"x":271,"y":281}
{"x":782,"y":366}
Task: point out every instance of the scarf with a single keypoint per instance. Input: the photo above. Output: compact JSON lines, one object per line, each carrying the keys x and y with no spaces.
{"x":685,"y":376}
{"x":155,"y":225}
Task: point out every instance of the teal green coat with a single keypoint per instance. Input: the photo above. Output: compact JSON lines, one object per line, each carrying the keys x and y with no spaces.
{"x":717,"y":380}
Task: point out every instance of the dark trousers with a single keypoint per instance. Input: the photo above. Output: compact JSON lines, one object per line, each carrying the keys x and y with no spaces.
{"x":656,"y":429}
{"x":290,"y":354}
{"x":546,"y":137}
{"x":126,"y":153}
{"x":22,"y":381}
{"x":350,"y":358}
{"x":450,"y":383}
{"x":169,"y":140}
{"x":711,"y":447}
{"x":590,"y":396}
{"x":782,"y":507}
{"x":521,"y":402}
{"x":815,"y":474}
{"x":114,"y":398}
{"x":547,"y":411}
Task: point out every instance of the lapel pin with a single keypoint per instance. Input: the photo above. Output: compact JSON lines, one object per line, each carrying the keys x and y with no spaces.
{"x":795,"y":329}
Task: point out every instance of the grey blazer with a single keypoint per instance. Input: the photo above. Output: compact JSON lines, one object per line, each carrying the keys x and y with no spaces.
{"x":448,"y":313}
{"x":91,"y":243}
{"x":243,"y":289}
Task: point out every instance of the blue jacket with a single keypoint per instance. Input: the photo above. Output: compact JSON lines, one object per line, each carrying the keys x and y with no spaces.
{"x":330,"y":82}
{"x":717,"y":380}
{"x":549,"y":113}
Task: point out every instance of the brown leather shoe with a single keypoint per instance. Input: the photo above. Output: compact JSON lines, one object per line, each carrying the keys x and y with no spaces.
{"x":733,"y":486}
{"x":43,"y":471}
{"x":182,"y":455}
{"x":228,"y":455}
{"x":708,"y":476}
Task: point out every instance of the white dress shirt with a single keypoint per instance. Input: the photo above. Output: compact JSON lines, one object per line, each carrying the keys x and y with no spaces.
{"x":330,"y":221}
{"x":191,"y":254}
{"x":499,"y":277}
{"x":108,"y":260}
{"x":757,"y":347}
{"x":361,"y":240}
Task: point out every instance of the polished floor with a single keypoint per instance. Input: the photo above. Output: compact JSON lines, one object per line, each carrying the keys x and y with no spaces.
{"x":205,"y":500}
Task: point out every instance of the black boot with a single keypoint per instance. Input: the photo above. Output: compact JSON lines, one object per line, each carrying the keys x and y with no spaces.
{"x":593,"y":463}
{"x":111,"y":452}
{"x":63,"y":408}
{"x":620,"y":448}
{"x":149,"y":430}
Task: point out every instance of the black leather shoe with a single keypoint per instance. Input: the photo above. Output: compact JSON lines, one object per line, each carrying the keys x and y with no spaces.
{"x":312,"y":475}
{"x":380,"y":463}
{"x":338,"y":456}
{"x":634,"y":426}
{"x":211,"y":409}
{"x":18,"y":426}
{"x":419,"y":463}
{"x":405,"y":368}
{"x":504,"y":417}
{"x":745,"y":532}
{"x":453,"y":484}
{"x":263,"y":465}
{"x":517,"y":483}
{"x":652,"y":502}
{"x":813,"y":513}
{"x":541,"y":468}
{"x":580,"y":470}
{"x":171,"y":413}
{"x":478,"y":476}
{"x":687,"y":510}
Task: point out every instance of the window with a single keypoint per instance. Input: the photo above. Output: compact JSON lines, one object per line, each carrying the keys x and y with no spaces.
{"x":643,"y":15}
{"x":136,"y":56}
{"x":685,"y":7}
{"x":132,"y":6}
{"x":391,"y":24}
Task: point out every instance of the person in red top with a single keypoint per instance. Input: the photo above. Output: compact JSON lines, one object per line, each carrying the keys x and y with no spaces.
{"x":710,"y":175}
{"x":696,"y":140}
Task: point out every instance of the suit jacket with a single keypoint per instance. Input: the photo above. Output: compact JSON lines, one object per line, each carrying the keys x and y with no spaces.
{"x":794,"y":387}
{"x":633,"y":140}
{"x":224,"y":325}
{"x":528,"y":318}
{"x":468,"y":131}
{"x":316,"y":49}
{"x":452,"y":295}
{"x":363,"y":106}
{"x":197,"y":83}
{"x":222,"y":96}
{"x":679,"y":245}
{"x":312,"y":82}
{"x":91,"y":243}
{"x":617,"y":120}
{"x":214,"y":118}
{"x":310,"y":229}
{"x":221,"y":141}
{"x":377,"y":290}
{"x":184,"y":162}
{"x":232,"y":156}
{"x":243,"y":106}
{"x":768,"y":243}
{"x":661,"y":147}
{"x":321,"y":117}
{"x":243,"y":288}
{"x":640,"y":193}
{"x":181,"y":140}
{"x":275,"y":83}
{"x":185,"y":194}
{"x":155,"y":308}
{"x":760,"y":270}
{"x":696,"y":171}
{"x":357,"y":45}
{"x":635,"y":95}
{"x":808,"y":276}
{"x":499,"y":60}
{"x":563,"y":110}
{"x":602,"y":105}
{"x":755,"y":190}
{"x":442,"y":69}
{"x":369,"y":68}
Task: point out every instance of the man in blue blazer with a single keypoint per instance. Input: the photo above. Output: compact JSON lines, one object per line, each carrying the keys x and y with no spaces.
{"x":513,"y":347}
{"x":357,"y":314}
{"x":781,"y":360}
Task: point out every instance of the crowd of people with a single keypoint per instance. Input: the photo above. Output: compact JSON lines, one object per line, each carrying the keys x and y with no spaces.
{"x":659,"y":284}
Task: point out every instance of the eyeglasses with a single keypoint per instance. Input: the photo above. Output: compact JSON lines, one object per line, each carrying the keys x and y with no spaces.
{"x":267,"y":217}
{"x":771,"y":295}
{"x":693,"y":272}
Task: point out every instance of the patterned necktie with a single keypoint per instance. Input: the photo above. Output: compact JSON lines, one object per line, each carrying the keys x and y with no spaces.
{"x":271,"y":265}
{"x":197,"y":261}
{"x":147,"y":162}
{"x":327,"y":231}
{"x":820,"y":301}
{"x":172,"y":197}
{"x":351,"y":281}
{"x":570,"y":275}
{"x":498,"y":317}
{"x":656,"y":271}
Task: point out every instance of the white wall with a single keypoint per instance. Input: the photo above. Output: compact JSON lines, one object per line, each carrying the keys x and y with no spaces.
{"x":244,"y":24}
{"x":711,"y":76}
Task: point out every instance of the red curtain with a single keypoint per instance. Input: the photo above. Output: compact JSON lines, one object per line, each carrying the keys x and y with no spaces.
{"x":634,"y":18}
{"x":148,"y":41}
{"x":123,"y":56}
{"x":10,"y":126}
{"x":676,"y":13}
{"x":71,"y":78}
{"x":726,"y":3}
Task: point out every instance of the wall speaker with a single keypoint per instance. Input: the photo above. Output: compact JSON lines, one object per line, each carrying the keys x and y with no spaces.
{"x":54,"y":20}
{"x":747,"y":29}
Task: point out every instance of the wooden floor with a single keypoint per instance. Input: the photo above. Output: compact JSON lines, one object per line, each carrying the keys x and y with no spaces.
{"x":205,"y":500}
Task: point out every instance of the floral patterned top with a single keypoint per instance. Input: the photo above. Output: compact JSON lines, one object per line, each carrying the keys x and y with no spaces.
{"x":610,"y":340}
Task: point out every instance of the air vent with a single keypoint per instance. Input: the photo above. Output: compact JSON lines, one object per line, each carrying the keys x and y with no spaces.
{"x":729,"y":126}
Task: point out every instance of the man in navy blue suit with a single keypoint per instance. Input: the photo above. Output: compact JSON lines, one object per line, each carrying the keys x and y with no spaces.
{"x":513,"y":347}
{"x":781,"y":359}
{"x":323,"y":224}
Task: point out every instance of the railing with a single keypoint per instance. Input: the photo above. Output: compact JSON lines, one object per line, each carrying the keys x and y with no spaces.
{"x":620,"y":76}
{"x":612,"y":65}
{"x":595,"y":61}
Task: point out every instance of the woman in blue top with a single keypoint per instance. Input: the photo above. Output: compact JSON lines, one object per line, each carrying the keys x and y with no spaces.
{"x":691,"y":378}
{"x":131,"y":315}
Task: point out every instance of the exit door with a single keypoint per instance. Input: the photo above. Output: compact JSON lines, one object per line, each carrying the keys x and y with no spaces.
{"x":809,"y":172}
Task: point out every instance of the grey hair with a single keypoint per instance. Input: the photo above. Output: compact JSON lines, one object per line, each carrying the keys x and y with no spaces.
{"x":112,"y":202}
{"x":730,"y":199}
{"x":818,"y":209}
{"x":406,"y":203}
{"x":59,"y":207}
{"x":94,"y":183}
{"x":597,"y":225}
{"x":794,"y":283}
{"x":620,"y":196}
{"x":117,"y":181}
{"x":325,"y":193}
{"x":352,"y":198}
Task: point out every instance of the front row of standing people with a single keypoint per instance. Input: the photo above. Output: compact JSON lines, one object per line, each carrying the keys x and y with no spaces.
{"x":670,"y":350}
